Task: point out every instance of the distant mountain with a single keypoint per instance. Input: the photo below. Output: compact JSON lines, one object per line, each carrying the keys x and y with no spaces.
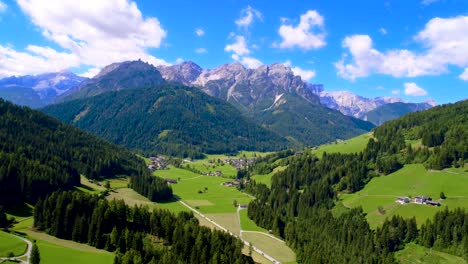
{"x":116,"y":77}
{"x":167,"y":119}
{"x":39,"y":154}
{"x":354,"y":105}
{"x":274,"y":97}
{"x":39,"y":90}
{"x":391,"y":111}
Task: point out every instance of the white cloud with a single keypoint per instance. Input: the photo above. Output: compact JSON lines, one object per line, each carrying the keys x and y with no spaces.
{"x":428,"y":2}
{"x":99,"y":33}
{"x":239,"y":47}
{"x":34,"y":60}
{"x":90,"y":73}
{"x":308,"y":34}
{"x":444,"y":42}
{"x":305,"y":75}
{"x":200,"y":32}
{"x":200,"y":50}
{"x":179,"y":60}
{"x":413,"y":89}
{"x":250,"y":62}
{"x":3,"y":7}
{"x":464,"y":75}
{"x":247,"y":17}
{"x":395,"y":92}
{"x":383,"y":31}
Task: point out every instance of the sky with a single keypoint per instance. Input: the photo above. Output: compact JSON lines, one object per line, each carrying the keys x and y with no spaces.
{"x":413,"y":49}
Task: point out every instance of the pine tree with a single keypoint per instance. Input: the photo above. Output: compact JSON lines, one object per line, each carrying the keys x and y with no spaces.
{"x":35,"y":256}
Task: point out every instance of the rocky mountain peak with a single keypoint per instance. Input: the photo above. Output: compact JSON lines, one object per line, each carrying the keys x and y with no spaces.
{"x":185,"y":73}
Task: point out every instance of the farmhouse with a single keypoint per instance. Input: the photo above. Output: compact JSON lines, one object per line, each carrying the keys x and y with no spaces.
{"x":170,"y":181}
{"x":422,"y":199}
{"x":403,"y":200}
{"x":433,"y":203}
{"x":232,"y":183}
{"x":243,"y":206}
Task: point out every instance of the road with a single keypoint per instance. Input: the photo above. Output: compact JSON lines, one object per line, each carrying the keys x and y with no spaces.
{"x":27,"y":254}
{"x":270,"y":258}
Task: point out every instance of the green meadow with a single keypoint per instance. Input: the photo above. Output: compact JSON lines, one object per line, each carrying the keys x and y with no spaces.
{"x":415,"y":254}
{"x":410,"y":181}
{"x":248,"y":224}
{"x":11,"y":244}
{"x":351,"y":145}
{"x":266,"y":178}
{"x":207,"y":194}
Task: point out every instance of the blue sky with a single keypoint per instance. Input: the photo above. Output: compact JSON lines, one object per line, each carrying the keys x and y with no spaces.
{"x":413,"y":49}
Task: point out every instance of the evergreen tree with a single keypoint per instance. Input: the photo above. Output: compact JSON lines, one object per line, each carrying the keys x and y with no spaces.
{"x":35,"y":256}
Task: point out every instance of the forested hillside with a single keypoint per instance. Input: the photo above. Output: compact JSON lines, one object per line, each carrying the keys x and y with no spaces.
{"x":173,"y":120}
{"x":137,"y":234}
{"x":297,"y":207}
{"x":39,"y":154}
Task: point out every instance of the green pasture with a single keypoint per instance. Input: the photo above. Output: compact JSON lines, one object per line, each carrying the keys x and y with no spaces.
{"x":205,"y":193}
{"x":351,"y":145}
{"x":266,"y":178}
{"x":248,"y":224}
{"x":57,"y":254}
{"x":10,"y":243}
{"x":410,"y":181}
{"x":273,"y":247}
{"x":416,"y":254}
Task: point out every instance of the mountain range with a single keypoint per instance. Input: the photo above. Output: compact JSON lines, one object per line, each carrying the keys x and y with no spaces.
{"x":39,"y":90}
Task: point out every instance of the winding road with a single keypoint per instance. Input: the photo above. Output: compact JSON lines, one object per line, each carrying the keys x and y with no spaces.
{"x":27,"y":254}
{"x":270,"y":258}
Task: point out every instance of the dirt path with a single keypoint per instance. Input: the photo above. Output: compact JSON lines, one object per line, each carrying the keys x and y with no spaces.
{"x":27,"y":254}
{"x":270,"y":258}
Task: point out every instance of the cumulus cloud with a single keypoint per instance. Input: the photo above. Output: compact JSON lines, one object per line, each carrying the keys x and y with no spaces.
{"x":308,"y":34}
{"x":247,"y":16}
{"x":90,"y":73}
{"x":200,"y":32}
{"x":34,"y":60}
{"x":383,"y":31}
{"x":110,"y":31}
{"x":444,"y":42}
{"x":305,"y":75}
{"x":200,"y":50}
{"x":3,"y":7}
{"x":464,"y":75}
{"x":239,"y":47}
{"x":250,"y":62}
{"x":412,"y":89}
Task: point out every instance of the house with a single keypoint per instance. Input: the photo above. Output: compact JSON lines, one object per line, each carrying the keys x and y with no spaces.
{"x":243,"y":206}
{"x":403,"y":200}
{"x":170,"y":181}
{"x":433,"y":203}
{"x":298,"y":153}
{"x":421,"y":199}
{"x":218,"y":173}
{"x":232,"y":183}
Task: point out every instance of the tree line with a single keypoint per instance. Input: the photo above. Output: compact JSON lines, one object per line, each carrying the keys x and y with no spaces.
{"x":136,"y":234}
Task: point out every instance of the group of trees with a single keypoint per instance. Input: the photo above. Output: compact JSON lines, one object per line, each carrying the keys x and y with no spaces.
{"x":154,"y":188}
{"x":297,"y":206}
{"x":137,"y":234}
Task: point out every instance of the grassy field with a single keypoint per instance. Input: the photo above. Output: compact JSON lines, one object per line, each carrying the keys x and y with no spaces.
{"x":351,"y":145}
{"x":57,"y":253}
{"x":10,"y":243}
{"x":271,"y":246}
{"x":204,"y":166}
{"x":410,"y":181}
{"x":216,"y":198}
{"x":266,"y":178}
{"x":247,"y":224}
{"x":415,"y":254}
